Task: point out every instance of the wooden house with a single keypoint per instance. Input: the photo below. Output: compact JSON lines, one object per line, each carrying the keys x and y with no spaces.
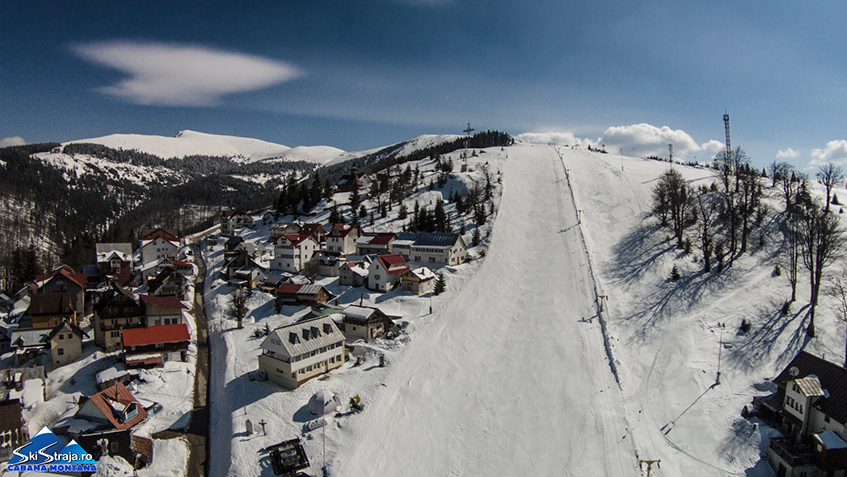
{"x":154,"y":345}
{"x":375,"y":244}
{"x":114,"y":261}
{"x":47,"y":310}
{"x":418,"y":281}
{"x":365,"y":322}
{"x":13,"y":429}
{"x":294,"y":294}
{"x":162,"y":310}
{"x":117,"y":310}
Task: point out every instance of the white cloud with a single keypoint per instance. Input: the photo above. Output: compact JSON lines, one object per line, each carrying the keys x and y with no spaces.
{"x":637,"y":140}
{"x":182,"y":75}
{"x":835,"y":153}
{"x":559,"y":138}
{"x":787,"y":154}
{"x":12,"y":141}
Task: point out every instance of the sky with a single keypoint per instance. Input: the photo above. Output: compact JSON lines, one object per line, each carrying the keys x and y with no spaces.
{"x":633,"y":76}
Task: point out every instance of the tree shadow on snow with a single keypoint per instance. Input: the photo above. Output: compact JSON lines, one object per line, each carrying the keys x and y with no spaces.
{"x":764,"y":338}
{"x":638,"y":251}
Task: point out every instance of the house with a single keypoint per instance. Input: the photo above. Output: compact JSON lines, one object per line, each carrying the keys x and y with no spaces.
{"x":64,"y":280}
{"x":167,"y":282}
{"x":13,"y":428}
{"x":238,"y":262}
{"x":47,"y":310}
{"x":294,"y":294}
{"x":28,"y":343}
{"x":375,"y":244}
{"x":365,"y":322}
{"x":115,"y":261}
{"x":293,"y":354}
{"x":353,"y":274}
{"x":385,"y":272}
{"x":403,"y":244}
{"x":231,"y":244}
{"x":117,"y":310}
{"x":254,"y":249}
{"x":293,"y":251}
{"x":151,"y":234}
{"x":328,"y":263}
{"x":233,"y":219}
{"x":65,"y":343}
{"x":272,"y":282}
{"x":342,"y":238}
{"x":278,"y":230}
{"x":154,"y":250}
{"x":349,"y":182}
{"x":6,"y":303}
{"x":418,"y":281}
{"x":810,"y":408}
{"x":439,"y":248}
{"x":162,"y":310}
{"x":155,"y":345}
{"x":185,"y":269}
{"x":249,"y":276}
{"x":317,"y":231}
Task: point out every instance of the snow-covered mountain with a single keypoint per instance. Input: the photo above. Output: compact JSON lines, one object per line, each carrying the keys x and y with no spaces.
{"x":193,"y":143}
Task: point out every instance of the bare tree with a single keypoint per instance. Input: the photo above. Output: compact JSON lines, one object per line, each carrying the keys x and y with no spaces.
{"x":790,"y":185}
{"x":237,"y":309}
{"x":779,"y":170}
{"x":821,"y":243}
{"x":310,"y":269}
{"x":706,"y":211}
{"x":672,"y":197}
{"x":830,"y":175}
{"x":838,"y":290}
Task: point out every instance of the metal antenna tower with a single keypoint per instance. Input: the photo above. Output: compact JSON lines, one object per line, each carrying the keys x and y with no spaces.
{"x":726,"y":125}
{"x":670,"y":152}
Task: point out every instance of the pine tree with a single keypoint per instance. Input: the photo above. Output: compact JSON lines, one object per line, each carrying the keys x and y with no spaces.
{"x":402,"y":213}
{"x":440,"y":284}
{"x":475,"y":239}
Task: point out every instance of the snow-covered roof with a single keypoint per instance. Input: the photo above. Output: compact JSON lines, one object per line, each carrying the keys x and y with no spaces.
{"x":303,"y":337}
{"x":423,"y":273}
{"x":359,"y":312}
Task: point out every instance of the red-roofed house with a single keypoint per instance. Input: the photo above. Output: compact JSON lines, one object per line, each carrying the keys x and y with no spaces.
{"x":112,"y":408}
{"x":64,"y":280}
{"x":155,"y":345}
{"x":162,"y":310}
{"x":293,"y":294}
{"x":293,"y":251}
{"x":385,"y":272}
{"x":342,"y":238}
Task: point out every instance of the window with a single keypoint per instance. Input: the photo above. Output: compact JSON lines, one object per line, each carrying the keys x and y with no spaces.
{"x":61,"y":336}
{"x":376,"y":277}
{"x":60,"y":351}
{"x":113,"y":446}
{"x":826,"y":418}
{"x":116,"y":334}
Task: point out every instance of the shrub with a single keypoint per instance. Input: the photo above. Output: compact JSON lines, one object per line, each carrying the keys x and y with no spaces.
{"x":786,"y":308}
{"x":675,"y":275}
{"x":776,"y":270}
{"x":745,"y":326}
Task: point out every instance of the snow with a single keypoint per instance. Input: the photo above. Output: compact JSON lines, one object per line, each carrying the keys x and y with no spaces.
{"x":167,"y":456}
{"x":189,"y":143}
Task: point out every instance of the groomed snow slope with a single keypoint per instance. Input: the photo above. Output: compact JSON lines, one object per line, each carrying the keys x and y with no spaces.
{"x":512,"y":379}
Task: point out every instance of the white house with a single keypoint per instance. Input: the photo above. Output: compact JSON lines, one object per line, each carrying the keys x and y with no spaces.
{"x":234,"y":219}
{"x":293,"y":251}
{"x":439,"y":248}
{"x":385,"y":272}
{"x":154,"y":250}
{"x":293,"y":354}
{"x":342,"y":238}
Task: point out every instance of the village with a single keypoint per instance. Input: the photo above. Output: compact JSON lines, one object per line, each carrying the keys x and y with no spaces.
{"x":107,"y":355}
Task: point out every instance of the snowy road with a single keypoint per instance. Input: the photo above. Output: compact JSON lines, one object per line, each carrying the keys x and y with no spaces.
{"x":511,"y":377}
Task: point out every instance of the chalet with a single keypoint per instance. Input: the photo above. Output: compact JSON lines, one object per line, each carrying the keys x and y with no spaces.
{"x":114,"y":261}
{"x":64,"y":280}
{"x":167,"y":282}
{"x":232,"y":244}
{"x":65,"y":343}
{"x":249,"y":276}
{"x":117,"y":310}
{"x":154,"y":345}
{"x":47,"y":310}
{"x":154,"y":250}
{"x":162,"y":310}
{"x":238,"y":262}
{"x":184,"y":268}
{"x":294,"y":294}
{"x":13,"y":428}
{"x":375,"y":244}
{"x":234,"y":219}
{"x":342,"y":238}
{"x":810,"y":408}
{"x":439,"y":248}
{"x":293,"y":252}
{"x":278,"y":230}
{"x":254,"y":249}
{"x":293,"y":354}
{"x":353,"y":274}
{"x":317,"y":231}
{"x":385,"y":272}
{"x":349,"y":182}
{"x":418,"y":281}
{"x":272,"y":282}
{"x":365,"y":322}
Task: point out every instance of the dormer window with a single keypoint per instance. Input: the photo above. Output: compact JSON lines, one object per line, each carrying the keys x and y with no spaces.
{"x":327,"y":328}
{"x":293,"y":338}
{"x":316,"y":333}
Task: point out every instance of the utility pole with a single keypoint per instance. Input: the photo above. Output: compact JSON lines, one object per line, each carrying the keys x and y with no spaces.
{"x":467,"y":132}
{"x":720,"y":350}
{"x":621,"y":159}
{"x":649,"y":465}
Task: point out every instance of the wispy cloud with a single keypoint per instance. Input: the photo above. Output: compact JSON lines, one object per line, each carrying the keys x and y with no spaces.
{"x":182,"y":75}
{"x":12,"y":141}
{"x":636,"y":139}
{"x":835,"y":153}
{"x":787,"y":154}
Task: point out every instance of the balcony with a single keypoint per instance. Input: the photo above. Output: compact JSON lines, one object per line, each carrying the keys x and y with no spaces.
{"x":791,"y":453}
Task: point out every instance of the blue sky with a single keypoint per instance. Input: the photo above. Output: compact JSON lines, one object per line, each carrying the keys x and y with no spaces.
{"x":363,"y":74}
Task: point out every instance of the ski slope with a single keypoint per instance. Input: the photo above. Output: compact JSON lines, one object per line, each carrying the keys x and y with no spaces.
{"x":512,"y":379}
